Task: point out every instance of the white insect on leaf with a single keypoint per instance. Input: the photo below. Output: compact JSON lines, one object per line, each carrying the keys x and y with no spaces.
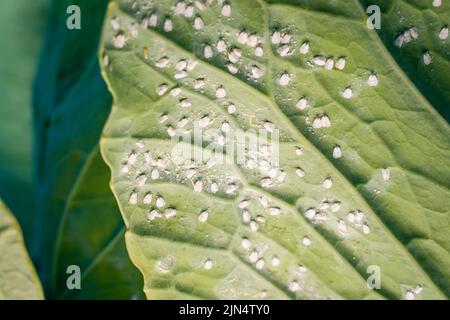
{"x":147,"y":198}
{"x":260,"y":264}
{"x":340,"y":64}
{"x":189,"y":11}
{"x":347,"y":93}
{"x":133,"y":198}
{"x":284,"y":79}
{"x":221,"y":46}
{"x":427,"y":58}
{"x":372,"y":81}
{"x":304,"y":48}
{"x":327,"y":183}
{"x":198,"y":23}
{"x":208,"y":264}
{"x":443,"y":34}
{"x":168,"y":25}
{"x":220,"y":92}
{"x":242,"y":37}
{"x":153,"y":20}
{"x":386,"y":174}
{"x":203,"y":217}
{"x":259,"y":51}
{"x":207,"y":52}
{"x":245,"y":243}
{"x":299,"y":171}
{"x":119,"y":40}
{"x":337,"y":152}
{"x":160,"y":202}
{"x":276,"y":37}
{"x":226,"y":10}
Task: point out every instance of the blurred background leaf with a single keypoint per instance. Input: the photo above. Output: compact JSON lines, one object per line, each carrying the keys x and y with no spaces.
{"x":78,"y":222}
{"x":21,"y":22}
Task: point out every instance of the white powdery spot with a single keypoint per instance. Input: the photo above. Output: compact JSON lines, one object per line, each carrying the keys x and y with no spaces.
{"x":372,"y":81}
{"x":284,"y":79}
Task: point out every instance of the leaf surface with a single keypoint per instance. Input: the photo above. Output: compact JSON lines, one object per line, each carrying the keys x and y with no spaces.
{"x":18,"y":279}
{"x":363,"y":178}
